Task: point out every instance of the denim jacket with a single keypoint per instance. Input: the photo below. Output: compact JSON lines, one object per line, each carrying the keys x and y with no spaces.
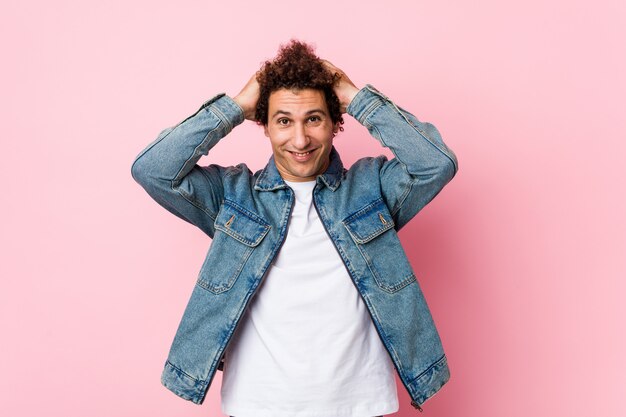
{"x":246,"y":214}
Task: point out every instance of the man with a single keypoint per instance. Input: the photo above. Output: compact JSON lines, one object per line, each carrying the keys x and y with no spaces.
{"x":306,"y":299}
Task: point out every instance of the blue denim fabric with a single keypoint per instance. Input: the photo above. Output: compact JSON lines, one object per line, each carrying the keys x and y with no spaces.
{"x":246,"y":214}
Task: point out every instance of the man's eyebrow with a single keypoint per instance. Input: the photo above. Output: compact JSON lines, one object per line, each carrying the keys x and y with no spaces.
{"x":286,"y":113}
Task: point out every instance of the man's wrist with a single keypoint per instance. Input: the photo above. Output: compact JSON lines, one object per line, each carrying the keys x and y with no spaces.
{"x":350,"y":94}
{"x":248,"y":113}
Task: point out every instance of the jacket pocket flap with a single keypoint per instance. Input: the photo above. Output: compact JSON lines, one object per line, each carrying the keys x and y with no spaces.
{"x":369,"y":222}
{"x":241,"y":224}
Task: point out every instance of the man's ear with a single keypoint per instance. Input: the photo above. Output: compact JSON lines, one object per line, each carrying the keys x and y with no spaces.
{"x":266,"y":131}
{"x":336,"y":128}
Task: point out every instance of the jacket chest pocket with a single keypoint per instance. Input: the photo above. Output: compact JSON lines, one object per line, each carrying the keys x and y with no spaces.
{"x":372,"y":229}
{"x":237,"y":233}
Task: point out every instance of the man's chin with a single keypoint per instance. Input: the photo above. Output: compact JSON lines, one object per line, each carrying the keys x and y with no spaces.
{"x":303,"y":172}
{"x":308,"y":175}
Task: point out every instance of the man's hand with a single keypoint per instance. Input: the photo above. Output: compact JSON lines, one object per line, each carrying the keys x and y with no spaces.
{"x":344,"y":88}
{"x":248,"y":97}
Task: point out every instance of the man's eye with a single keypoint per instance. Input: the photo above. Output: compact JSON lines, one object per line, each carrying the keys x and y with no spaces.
{"x":283,"y":121}
{"x":314,"y":119}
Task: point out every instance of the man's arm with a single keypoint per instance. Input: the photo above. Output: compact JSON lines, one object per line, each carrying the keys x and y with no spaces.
{"x":167,"y":169}
{"x":423,"y":164}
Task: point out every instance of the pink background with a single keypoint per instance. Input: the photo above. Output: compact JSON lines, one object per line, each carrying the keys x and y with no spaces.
{"x":521,"y":257}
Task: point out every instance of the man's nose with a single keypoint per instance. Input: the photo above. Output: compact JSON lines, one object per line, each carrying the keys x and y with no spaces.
{"x":300,"y":138}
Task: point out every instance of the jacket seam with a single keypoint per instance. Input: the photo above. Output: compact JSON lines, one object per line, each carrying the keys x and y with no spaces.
{"x":193,"y":202}
{"x":157,"y":141}
{"x":402,"y":200}
{"x":194,"y":153}
{"x":221,"y":116}
{"x":175,"y":181}
{"x":358,"y":215}
{"x":218,"y":289}
{"x":195,"y":380}
{"x":211,"y":214}
{"x":434,"y":364}
{"x":425,"y":136}
{"x":247,"y":212}
{"x":344,"y":256}
{"x":407,"y":191}
{"x":390,"y":346}
{"x":410,"y":123}
{"x":371,"y":109}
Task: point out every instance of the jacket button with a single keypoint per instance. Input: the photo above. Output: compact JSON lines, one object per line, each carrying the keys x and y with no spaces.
{"x":229,"y":222}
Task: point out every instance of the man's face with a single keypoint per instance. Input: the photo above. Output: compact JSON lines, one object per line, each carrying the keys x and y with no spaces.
{"x":301,"y":132}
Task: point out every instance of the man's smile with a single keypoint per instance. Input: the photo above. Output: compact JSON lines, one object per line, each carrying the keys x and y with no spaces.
{"x":303,"y":156}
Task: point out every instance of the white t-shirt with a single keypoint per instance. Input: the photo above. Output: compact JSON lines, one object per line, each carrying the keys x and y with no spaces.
{"x":307,"y":346}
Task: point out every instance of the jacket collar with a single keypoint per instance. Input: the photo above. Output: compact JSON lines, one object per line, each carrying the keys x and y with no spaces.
{"x":270,"y":179}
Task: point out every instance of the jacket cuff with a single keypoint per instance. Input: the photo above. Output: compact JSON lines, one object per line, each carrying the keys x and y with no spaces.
{"x":226,"y":109}
{"x":364,"y":102}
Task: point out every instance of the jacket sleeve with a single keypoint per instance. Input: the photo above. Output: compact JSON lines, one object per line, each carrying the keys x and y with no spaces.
{"x":167,"y":168}
{"x":423,"y":164}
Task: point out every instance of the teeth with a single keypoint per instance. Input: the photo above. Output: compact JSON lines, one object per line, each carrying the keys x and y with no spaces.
{"x":302,"y":154}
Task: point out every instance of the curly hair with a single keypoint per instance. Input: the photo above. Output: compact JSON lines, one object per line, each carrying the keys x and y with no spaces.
{"x":296,"y":67}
